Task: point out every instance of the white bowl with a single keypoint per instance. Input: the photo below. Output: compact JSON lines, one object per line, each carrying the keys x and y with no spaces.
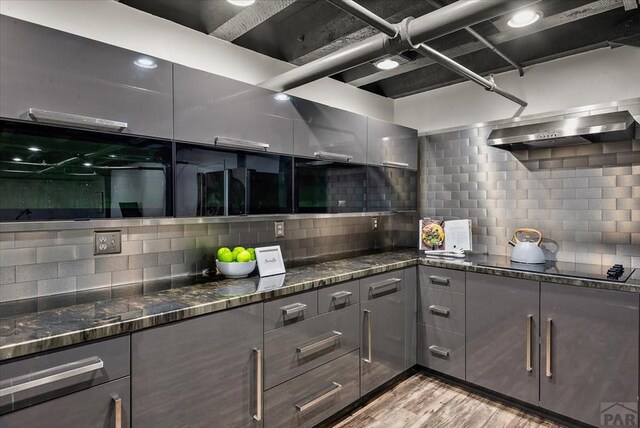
{"x":236,"y":269}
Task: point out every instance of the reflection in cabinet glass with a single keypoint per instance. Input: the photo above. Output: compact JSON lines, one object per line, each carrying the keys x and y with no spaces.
{"x":54,"y":173}
{"x":214,"y":182}
{"x":391,"y":189}
{"x":329,"y":187}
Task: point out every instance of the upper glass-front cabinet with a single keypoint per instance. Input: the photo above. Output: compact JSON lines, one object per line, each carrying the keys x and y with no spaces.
{"x":49,"y":76}
{"x":213,"y":182}
{"x":391,"y":145}
{"x":391,"y":189}
{"x":52,"y":173}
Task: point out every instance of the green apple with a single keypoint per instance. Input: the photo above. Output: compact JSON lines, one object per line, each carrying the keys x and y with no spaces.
{"x":227,"y":257}
{"x":222,"y":250}
{"x":238,"y":249}
{"x":244,"y":256}
{"x":252,"y":251}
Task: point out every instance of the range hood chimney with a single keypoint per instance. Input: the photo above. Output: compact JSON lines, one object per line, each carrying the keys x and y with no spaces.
{"x":615,"y":126}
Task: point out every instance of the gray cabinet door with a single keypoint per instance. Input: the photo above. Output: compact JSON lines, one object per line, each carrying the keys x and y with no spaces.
{"x":93,"y":407}
{"x":327,"y":132}
{"x":594,"y":353}
{"x":391,"y":144}
{"x":198,"y":373}
{"x":497,"y":330}
{"x":209,"y":106}
{"x":57,"y":72}
{"x":410,"y":317}
{"x":382,"y":331}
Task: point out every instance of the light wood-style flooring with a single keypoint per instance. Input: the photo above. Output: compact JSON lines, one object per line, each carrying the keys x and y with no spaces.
{"x":424,"y":401}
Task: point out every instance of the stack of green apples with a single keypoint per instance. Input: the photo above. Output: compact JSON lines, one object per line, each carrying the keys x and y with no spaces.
{"x":238,"y":254}
{"x":236,"y":263}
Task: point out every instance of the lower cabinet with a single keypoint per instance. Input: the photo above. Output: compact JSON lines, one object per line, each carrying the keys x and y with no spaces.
{"x":200,"y":372}
{"x":502,"y":328}
{"x":589,"y":354}
{"x":382,"y":329}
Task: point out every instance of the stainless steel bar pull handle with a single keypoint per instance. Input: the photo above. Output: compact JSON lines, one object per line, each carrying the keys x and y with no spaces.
{"x":47,"y":376}
{"x":529,"y":334}
{"x":319,"y":399}
{"x":396,"y":164}
{"x":439,"y":350}
{"x":442,"y":280}
{"x":117,"y":411}
{"x":341,"y":295}
{"x":320,"y":344}
{"x":332,"y":156}
{"x":259,"y":384}
{"x":293,"y":308}
{"x":369,"y":359}
{"x":244,"y":144}
{"x":47,"y":116}
{"x":549,"y":350}
{"x":377,"y":288}
{"x":440,"y":310}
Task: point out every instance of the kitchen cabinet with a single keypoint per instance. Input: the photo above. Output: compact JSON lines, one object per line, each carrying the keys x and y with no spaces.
{"x":389,"y":144}
{"x":328,"y":133}
{"x":241,"y":115}
{"x":410,"y":316}
{"x":391,"y":189}
{"x":382,"y":342}
{"x":204,"y":371}
{"x":589,"y":352}
{"x":55,"y":77}
{"x":502,"y":325}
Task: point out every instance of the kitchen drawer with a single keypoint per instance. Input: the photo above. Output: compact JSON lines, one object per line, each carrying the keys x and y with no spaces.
{"x":338,"y":296}
{"x":442,"y":309}
{"x":94,"y":407}
{"x":447,"y":279}
{"x":315,"y":395}
{"x":75,"y":368}
{"x":441,"y":350}
{"x":377,"y":286}
{"x":290,"y":310}
{"x":299,"y":348}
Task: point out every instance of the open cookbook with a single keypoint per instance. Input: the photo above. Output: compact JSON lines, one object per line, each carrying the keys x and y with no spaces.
{"x":439,"y":235}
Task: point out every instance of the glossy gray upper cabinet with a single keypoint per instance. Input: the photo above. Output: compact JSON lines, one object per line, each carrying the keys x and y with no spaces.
{"x":589,"y":354}
{"x":328,"y":133}
{"x":55,"y":77}
{"x":241,"y":115}
{"x":501,"y":330}
{"x":391,"y":145}
{"x":201,"y":372}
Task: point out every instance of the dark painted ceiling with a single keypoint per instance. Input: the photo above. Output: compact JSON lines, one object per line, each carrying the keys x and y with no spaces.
{"x":299,"y":31}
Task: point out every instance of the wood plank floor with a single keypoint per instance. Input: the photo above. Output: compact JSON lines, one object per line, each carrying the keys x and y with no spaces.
{"x":424,"y":401}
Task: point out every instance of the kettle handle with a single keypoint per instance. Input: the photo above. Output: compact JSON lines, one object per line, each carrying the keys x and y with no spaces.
{"x":526,"y":229}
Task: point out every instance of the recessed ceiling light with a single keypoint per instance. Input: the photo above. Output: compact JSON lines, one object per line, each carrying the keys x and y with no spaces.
{"x":35,"y":149}
{"x":282,"y":97}
{"x":17,"y":159}
{"x":242,"y":3}
{"x":87,"y":164}
{"x":523,"y":18}
{"x":387,"y":64}
{"x":145,"y":63}
{"x":113,"y":156}
{"x":385,"y":138}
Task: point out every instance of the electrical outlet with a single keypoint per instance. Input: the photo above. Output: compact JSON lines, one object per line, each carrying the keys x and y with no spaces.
{"x":279,"y":228}
{"x":374,"y":223}
{"x":107,"y":242}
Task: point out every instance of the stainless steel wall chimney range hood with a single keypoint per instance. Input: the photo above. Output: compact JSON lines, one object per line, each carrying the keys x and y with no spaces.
{"x":615,"y":126}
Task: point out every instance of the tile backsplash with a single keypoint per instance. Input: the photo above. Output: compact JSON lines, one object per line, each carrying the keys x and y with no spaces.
{"x":584,"y":199}
{"x":43,"y":263}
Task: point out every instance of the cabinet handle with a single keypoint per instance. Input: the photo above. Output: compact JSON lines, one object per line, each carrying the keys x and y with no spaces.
{"x":529,"y":334}
{"x":340,"y":295}
{"x":442,"y":280}
{"x":306,"y":406}
{"x":376,"y":288}
{"x":244,"y":144}
{"x":47,"y":376}
{"x":548,"y":356}
{"x":293,"y":308}
{"x":332,"y":156}
{"x":259,"y":385}
{"x":438,"y":350}
{"x":117,"y":411}
{"x":440,"y":310}
{"x":47,"y":116}
{"x":396,"y":164}
{"x":320,"y":344}
{"x":369,"y":358}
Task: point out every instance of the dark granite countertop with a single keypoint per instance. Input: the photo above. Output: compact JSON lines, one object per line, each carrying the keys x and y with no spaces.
{"x":35,"y":326}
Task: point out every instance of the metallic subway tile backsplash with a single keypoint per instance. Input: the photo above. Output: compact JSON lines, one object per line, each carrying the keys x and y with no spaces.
{"x":42,"y":263}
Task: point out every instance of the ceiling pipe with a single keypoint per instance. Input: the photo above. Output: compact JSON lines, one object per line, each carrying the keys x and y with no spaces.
{"x":391,"y":30}
{"x":435,"y":24}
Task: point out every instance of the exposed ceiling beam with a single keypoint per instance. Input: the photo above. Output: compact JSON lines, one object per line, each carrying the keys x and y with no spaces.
{"x":572,"y":15}
{"x":249,"y":18}
{"x":630,"y":4}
